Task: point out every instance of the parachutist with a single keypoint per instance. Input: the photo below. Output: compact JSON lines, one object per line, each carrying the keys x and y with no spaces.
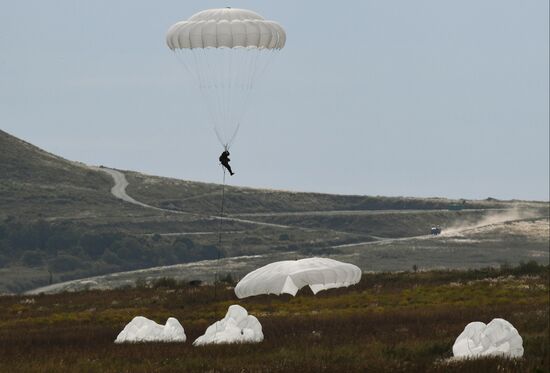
{"x":224,"y":160}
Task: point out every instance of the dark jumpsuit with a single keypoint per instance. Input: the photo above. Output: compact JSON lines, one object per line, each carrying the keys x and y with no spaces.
{"x":224,"y":160}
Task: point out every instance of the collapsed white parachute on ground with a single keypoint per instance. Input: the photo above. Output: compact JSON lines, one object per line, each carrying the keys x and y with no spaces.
{"x":236,"y":327}
{"x":141,"y":329}
{"x":289,"y":276}
{"x":226,"y":50}
{"x":499,"y":337}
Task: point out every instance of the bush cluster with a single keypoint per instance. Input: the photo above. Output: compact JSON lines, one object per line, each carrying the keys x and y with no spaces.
{"x":66,"y":248}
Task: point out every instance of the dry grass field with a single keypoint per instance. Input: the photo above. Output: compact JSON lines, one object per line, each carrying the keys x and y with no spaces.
{"x":390,"y":322}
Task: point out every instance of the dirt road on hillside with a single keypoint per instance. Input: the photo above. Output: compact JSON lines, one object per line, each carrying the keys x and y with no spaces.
{"x":119,"y":191}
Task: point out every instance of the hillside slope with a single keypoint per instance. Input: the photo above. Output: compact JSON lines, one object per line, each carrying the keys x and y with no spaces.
{"x":37,"y":184}
{"x":204,"y":197}
{"x":59,"y":220}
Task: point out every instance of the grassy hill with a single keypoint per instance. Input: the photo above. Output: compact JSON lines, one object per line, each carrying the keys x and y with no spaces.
{"x":204,"y":198}
{"x":36,"y":184}
{"x":59,"y":220}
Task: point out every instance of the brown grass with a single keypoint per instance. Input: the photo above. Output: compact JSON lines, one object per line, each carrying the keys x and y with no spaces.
{"x":388,"y":323}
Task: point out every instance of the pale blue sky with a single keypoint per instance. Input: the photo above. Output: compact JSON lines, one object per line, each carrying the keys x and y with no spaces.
{"x":416,"y":98}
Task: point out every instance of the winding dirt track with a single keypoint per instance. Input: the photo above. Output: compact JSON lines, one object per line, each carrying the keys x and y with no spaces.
{"x":119,"y":191}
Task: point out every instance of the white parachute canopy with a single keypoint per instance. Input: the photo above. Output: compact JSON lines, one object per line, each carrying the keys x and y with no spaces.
{"x":226,"y":50}
{"x":236,"y":327}
{"x":141,"y":329}
{"x":499,"y":337}
{"x":289,"y":276}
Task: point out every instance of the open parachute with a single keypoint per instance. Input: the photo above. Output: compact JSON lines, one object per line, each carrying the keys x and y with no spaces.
{"x":289,"y":276}
{"x":226,"y":50}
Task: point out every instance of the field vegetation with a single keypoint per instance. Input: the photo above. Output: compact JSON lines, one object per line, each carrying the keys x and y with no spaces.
{"x":389,"y":322}
{"x":63,"y":251}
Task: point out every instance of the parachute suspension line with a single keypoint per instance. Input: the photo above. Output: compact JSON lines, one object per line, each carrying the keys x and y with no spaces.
{"x":241,"y":64}
{"x":239,"y":92}
{"x":221,"y":211}
{"x":271,"y":56}
{"x":220,"y":138}
{"x":212,"y":90}
{"x":226,"y":79}
{"x":220,"y":89}
{"x":254,"y":64}
{"x":220,"y":230}
{"x":230,"y":142}
{"x":231,"y":96}
{"x":189,"y":70}
{"x":208,"y":88}
{"x":247,"y":86}
{"x":199,"y":68}
{"x":203,"y":88}
{"x":228,"y":96}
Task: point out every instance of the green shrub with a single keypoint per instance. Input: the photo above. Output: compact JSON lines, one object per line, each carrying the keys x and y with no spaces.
{"x":32,"y":258}
{"x":110,"y":257}
{"x":529,"y":268}
{"x":65,"y":263}
{"x":165,"y":282}
{"x":227,"y":278}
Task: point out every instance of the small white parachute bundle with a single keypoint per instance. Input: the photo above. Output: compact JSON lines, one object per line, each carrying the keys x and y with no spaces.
{"x":289,"y":276}
{"x":236,"y":327}
{"x":141,"y":329}
{"x":499,"y":337}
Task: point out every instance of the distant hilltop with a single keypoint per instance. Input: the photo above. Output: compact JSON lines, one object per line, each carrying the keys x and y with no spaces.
{"x":62,"y":220}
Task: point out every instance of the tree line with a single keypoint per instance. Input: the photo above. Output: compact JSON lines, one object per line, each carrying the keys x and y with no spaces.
{"x":65,"y":247}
